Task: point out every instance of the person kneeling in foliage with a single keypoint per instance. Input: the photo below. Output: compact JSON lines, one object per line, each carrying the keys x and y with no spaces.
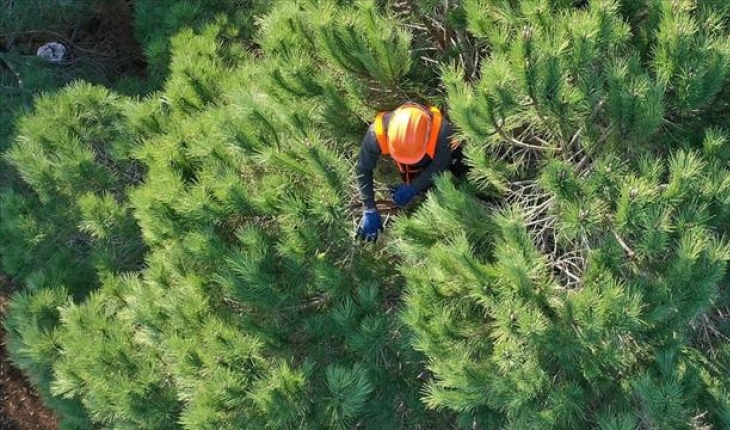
{"x":419,"y":140}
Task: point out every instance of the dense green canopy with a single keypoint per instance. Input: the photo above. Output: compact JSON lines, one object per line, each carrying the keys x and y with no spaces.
{"x":185,"y":241}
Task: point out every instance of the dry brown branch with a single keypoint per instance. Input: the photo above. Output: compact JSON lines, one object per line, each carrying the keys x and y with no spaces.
{"x":540,"y":221}
{"x":542,"y":141}
{"x":605,"y":133}
{"x":574,"y":139}
{"x":564,"y":269}
{"x":699,"y":423}
{"x":541,"y":207}
{"x":514,"y":141}
{"x":629,"y":252}
{"x":547,"y":228}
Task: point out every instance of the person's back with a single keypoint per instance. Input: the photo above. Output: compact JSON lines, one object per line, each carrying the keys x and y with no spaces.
{"x":419,"y":140}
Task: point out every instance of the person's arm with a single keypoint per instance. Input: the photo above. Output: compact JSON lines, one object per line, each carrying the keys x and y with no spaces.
{"x":441,"y":160}
{"x":369,"y":156}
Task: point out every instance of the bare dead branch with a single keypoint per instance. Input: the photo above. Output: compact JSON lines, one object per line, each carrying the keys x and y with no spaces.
{"x":629,"y":252}
{"x":563,"y":269}
{"x":520,"y":143}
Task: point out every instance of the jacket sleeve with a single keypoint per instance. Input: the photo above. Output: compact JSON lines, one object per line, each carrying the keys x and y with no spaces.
{"x":369,"y":156}
{"x":441,"y":160}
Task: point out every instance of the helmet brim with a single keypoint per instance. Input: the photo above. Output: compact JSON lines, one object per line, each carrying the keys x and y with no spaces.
{"x":411,"y":158}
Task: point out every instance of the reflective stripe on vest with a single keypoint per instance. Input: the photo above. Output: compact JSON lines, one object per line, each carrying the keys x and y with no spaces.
{"x":381,"y":134}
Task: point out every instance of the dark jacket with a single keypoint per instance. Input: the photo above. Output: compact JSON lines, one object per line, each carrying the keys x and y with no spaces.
{"x":370,"y":153}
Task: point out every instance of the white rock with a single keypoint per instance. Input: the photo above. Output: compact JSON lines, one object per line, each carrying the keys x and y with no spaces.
{"x":52,"y":51}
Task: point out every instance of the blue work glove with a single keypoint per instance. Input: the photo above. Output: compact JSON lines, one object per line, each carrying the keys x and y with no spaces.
{"x":402,"y":194}
{"x":370,"y":225}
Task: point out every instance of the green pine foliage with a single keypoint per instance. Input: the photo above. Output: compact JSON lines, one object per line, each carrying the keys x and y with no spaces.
{"x":33,"y":340}
{"x":254,"y":308}
{"x":188,"y":255}
{"x":587,"y":305}
{"x":73,"y":152}
{"x":156,"y":21}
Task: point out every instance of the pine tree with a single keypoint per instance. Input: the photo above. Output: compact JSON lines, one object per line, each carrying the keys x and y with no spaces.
{"x":575,"y":279}
{"x":607,"y":260}
{"x":254,"y":308}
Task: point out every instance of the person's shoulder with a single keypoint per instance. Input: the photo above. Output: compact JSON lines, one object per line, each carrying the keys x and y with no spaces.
{"x":370,"y":141}
{"x":445,"y":123}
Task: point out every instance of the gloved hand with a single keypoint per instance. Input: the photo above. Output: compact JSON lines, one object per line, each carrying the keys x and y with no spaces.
{"x":402,"y":194}
{"x":369,"y":226}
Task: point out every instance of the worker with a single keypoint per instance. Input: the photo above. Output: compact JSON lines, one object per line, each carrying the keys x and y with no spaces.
{"x":419,"y":140}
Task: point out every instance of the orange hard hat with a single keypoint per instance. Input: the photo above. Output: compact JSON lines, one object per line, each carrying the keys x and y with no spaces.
{"x":408,"y":131}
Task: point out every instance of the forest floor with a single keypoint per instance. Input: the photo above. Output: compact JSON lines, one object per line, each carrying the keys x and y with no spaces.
{"x":20,"y":407}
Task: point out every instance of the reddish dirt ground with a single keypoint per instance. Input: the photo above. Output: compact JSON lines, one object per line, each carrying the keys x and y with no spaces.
{"x":20,"y":407}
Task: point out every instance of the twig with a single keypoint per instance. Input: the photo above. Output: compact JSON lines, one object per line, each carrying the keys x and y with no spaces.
{"x":604,"y":135}
{"x":714,"y":329}
{"x":540,"y":140}
{"x":626,"y":248}
{"x":581,"y":164}
{"x":520,"y":143}
{"x":705,"y":324}
{"x":415,"y":27}
{"x":575,"y":136}
{"x":572,"y":255}
{"x":528,"y":182}
{"x":429,"y":60}
{"x":565,"y":270}
{"x":542,"y":206}
{"x":13,"y":71}
{"x":577,"y":262}
{"x":539,"y":221}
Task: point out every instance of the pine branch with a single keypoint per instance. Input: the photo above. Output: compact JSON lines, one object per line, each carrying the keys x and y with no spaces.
{"x":629,"y":252}
{"x":563,"y":267}
{"x":543,"y":142}
{"x":574,"y":139}
{"x":15,"y":73}
{"x":434,"y":28}
{"x":542,"y":207}
{"x":699,"y":422}
{"x":548,"y":227}
{"x":544,"y":221}
{"x":519,"y":143}
{"x":706,"y":327}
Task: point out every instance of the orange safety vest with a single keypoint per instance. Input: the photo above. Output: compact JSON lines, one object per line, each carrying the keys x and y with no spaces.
{"x":381,"y":134}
